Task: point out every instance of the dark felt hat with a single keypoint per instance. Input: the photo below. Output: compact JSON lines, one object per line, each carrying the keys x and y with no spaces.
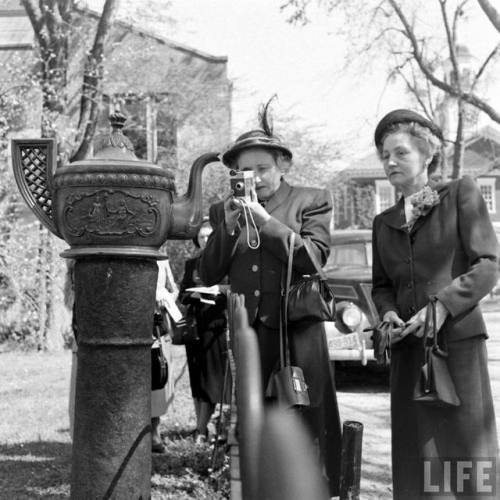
{"x":254,"y":139}
{"x":403,"y":116}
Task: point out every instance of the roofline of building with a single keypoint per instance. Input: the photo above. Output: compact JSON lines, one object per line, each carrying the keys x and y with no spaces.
{"x":166,"y":41}
{"x":486,"y":132}
{"x":12,"y":13}
{"x":17,"y":46}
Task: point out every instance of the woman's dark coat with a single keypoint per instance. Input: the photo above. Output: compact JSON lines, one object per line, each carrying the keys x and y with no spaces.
{"x":452,"y":253}
{"x":257,"y":274}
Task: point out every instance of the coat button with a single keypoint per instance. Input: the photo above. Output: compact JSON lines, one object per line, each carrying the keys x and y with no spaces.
{"x":257,"y":293}
{"x":410,"y":285}
{"x":255,"y":268}
{"x":408,"y":260}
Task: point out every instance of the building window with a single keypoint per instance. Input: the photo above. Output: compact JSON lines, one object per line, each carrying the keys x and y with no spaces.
{"x":487,"y":187}
{"x":385,"y":195}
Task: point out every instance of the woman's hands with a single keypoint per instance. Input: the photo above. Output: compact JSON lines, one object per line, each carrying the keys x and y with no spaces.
{"x":415,"y":325}
{"x":233,"y":208}
{"x":397,"y":326}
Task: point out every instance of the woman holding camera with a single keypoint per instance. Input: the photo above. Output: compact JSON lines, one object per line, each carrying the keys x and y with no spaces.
{"x":436,"y":242}
{"x":250,"y":245}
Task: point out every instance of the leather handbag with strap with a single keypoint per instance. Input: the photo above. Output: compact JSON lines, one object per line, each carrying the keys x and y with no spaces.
{"x":287,"y":385}
{"x":159,"y":365}
{"x":310,"y":298}
{"x":435,"y":386}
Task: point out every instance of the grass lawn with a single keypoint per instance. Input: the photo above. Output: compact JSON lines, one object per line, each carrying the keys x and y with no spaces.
{"x":35,"y":445}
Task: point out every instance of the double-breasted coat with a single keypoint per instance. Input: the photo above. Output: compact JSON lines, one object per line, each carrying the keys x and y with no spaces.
{"x":451,"y":253}
{"x":257,"y":274}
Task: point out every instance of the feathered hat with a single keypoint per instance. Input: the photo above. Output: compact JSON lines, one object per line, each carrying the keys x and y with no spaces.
{"x":258,"y":138}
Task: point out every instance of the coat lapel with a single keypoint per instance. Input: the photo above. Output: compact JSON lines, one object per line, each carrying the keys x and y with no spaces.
{"x":279,"y":197}
{"x":394,"y":216}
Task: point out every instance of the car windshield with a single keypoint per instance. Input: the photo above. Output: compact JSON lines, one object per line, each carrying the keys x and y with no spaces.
{"x":350,"y":255}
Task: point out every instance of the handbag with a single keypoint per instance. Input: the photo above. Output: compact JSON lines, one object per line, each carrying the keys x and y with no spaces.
{"x":310,"y":298}
{"x":382,"y":342}
{"x":435,"y":386}
{"x":287,"y":385}
{"x":159,"y":365}
{"x":185,"y":331}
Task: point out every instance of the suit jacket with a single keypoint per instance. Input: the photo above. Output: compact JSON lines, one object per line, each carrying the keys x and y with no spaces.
{"x":452,"y":252}
{"x":257,"y":273}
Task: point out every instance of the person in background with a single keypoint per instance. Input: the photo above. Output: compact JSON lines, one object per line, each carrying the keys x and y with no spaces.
{"x":166,"y":295}
{"x":436,"y":242}
{"x":206,"y":356}
{"x":69,"y":302}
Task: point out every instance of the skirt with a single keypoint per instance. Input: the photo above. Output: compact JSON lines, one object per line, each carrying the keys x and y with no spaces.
{"x":309,"y":351}
{"x":209,"y":374}
{"x":431,"y":446}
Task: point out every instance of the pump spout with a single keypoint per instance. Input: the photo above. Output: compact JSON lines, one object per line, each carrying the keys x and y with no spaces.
{"x":186,"y":215}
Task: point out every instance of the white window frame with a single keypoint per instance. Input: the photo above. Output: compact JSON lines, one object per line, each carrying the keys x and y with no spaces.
{"x":491,"y":183}
{"x":382,"y":183}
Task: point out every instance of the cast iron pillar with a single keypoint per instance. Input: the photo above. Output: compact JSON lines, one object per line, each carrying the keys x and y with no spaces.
{"x":115,"y":212}
{"x":114,"y":305}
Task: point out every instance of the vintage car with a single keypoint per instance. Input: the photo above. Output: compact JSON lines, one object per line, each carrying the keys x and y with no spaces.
{"x":349,"y":272}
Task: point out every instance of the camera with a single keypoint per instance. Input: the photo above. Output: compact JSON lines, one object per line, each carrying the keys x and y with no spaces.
{"x":243,"y":184}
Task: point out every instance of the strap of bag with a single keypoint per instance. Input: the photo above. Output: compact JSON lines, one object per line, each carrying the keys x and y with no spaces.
{"x":430,"y":329}
{"x":284,"y":348}
{"x":314,"y":260}
{"x":284,"y":340}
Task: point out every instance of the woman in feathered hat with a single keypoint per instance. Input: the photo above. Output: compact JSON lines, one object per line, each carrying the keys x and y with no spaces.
{"x":436,"y":244}
{"x":253,"y":253}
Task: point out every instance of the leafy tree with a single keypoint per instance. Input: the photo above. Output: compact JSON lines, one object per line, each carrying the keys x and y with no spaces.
{"x":29,"y":266}
{"x":68,"y":72}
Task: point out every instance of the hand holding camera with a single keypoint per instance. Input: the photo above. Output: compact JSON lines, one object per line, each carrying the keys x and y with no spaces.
{"x":243,"y":186}
{"x":245,"y":196}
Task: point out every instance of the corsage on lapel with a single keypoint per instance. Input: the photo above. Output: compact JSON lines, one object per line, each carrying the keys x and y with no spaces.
{"x":422,"y":202}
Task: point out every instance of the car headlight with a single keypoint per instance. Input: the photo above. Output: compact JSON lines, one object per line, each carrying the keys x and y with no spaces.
{"x":351,"y":316}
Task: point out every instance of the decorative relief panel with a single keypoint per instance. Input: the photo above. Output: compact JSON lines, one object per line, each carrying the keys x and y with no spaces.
{"x":135,"y":180}
{"x":110,"y":212}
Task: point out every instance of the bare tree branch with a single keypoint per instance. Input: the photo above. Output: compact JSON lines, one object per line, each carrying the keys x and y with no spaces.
{"x":456,"y":16}
{"x":491,"y":12}
{"x":66,"y":8}
{"x":451,"y":38}
{"x":482,"y":68}
{"x":469,"y":97}
{"x":36,"y":18}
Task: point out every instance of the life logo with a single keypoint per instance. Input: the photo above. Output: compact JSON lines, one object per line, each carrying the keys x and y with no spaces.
{"x":476,"y":477}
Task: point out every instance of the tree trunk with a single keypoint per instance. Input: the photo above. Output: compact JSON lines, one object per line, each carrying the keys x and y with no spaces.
{"x":458,"y":152}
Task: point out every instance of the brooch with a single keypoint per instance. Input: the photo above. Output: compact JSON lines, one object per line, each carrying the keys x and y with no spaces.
{"x":423,"y":201}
